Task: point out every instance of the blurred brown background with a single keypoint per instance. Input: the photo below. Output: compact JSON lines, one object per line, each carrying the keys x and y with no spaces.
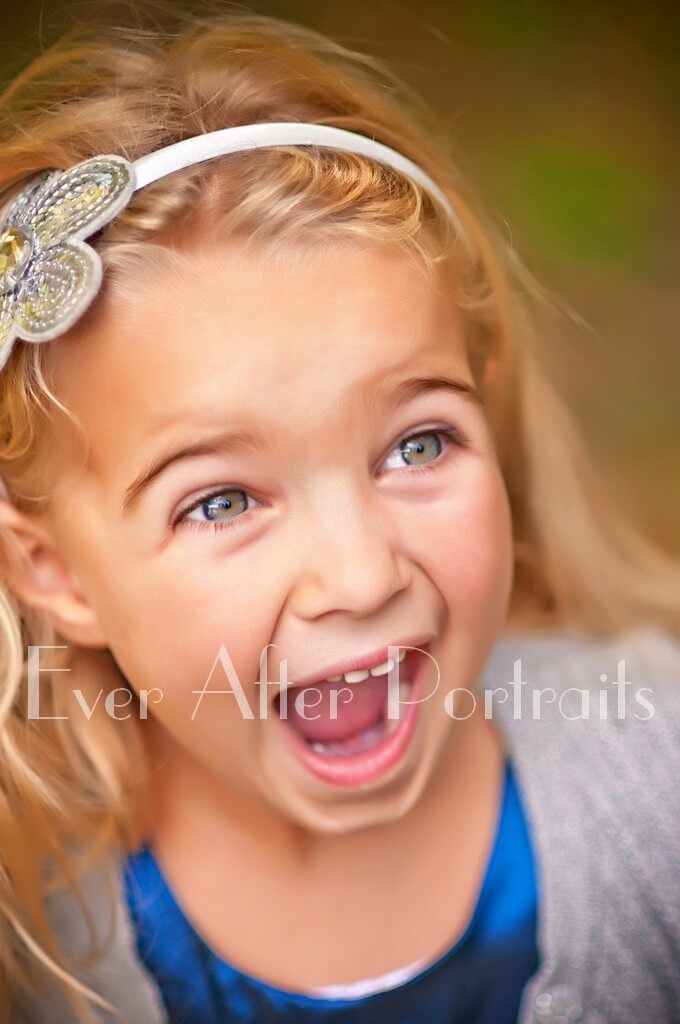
{"x":564,"y":115}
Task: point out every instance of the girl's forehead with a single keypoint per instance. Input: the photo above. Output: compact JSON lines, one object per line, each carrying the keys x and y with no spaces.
{"x":226,"y":305}
{"x":225,"y":331}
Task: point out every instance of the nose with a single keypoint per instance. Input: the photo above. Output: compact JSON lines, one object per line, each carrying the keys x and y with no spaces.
{"x":352,"y":560}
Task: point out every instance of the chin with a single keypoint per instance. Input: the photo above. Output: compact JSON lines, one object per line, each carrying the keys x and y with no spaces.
{"x":337,"y":811}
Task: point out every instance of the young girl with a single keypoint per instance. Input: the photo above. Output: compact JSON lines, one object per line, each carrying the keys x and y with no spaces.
{"x":333,"y":687}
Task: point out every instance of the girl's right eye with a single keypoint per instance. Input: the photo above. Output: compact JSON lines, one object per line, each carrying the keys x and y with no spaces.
{"x":218,"y":510}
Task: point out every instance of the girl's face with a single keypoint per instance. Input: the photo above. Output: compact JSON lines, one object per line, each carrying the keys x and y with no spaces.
{"x":361,"y":505}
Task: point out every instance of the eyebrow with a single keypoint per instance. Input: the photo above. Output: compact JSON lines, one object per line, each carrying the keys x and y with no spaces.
{"x":393,"y":394}
{"x":237,"y":443}
{"x":247,"y":442}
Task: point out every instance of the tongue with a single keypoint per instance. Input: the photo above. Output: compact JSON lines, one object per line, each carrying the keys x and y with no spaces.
{"x":357,"y":705}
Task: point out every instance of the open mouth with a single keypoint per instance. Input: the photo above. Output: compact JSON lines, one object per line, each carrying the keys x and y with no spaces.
{"x":351,"y":729}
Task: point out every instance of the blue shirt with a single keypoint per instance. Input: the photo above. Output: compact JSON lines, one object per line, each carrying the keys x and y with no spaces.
{"x":478,"y":980}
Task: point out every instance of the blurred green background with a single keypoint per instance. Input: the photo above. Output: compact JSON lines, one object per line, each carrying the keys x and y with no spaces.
{"x":564,"y":117}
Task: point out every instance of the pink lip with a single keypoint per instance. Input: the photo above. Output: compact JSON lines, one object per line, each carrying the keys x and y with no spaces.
{"x":354,"y":771}
{"x":365,"y":661}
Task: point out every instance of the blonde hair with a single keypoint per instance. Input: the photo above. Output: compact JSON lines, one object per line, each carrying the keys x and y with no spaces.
{"x":578,"y":563}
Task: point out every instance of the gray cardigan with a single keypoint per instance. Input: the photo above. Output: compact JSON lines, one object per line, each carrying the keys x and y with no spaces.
{"x":602,"y":797}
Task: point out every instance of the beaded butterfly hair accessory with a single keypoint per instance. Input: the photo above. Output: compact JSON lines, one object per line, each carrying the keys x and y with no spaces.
{"x":49,"y":276}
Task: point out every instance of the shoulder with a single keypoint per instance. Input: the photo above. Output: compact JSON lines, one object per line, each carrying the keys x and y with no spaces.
{"x":96,"y":939}
{"x":592,"y":726}
{"x":565,"y":676}
{"x":574,"y":650}
{"x":593,"y":731}
{"x":597,"y":758}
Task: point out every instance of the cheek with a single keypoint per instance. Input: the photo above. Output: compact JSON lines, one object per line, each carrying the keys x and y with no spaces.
{"x":180,"y":624}
{"x":469,"y":544}
{"x":198,"y":625}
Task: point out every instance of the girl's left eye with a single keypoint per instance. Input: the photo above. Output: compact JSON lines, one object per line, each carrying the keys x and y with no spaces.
{"x":226,"y":507}
{"x":425,"y":447}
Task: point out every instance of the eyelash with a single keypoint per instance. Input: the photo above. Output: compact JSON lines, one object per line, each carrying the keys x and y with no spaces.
{"x":454,"y":436}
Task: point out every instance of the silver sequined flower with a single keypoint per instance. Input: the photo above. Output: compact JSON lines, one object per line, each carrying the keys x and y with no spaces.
{"x":48,"y":275}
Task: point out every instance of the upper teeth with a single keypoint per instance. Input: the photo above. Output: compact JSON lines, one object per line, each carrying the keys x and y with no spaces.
{"x":363,"y":673}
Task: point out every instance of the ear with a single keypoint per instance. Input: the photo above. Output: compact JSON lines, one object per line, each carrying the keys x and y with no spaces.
{"x":38,"y":575}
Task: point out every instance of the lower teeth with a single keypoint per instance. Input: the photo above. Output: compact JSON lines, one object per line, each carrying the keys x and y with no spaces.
{"x":371,"y":736}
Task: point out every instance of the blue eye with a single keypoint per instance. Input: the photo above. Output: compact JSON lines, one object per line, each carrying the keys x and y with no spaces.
{"x":220,"y":508}
{"x":229,"y":506}
{"x":423,"y":448}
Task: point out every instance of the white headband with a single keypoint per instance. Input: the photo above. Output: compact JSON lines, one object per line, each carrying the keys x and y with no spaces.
{"x":49,"y":276}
